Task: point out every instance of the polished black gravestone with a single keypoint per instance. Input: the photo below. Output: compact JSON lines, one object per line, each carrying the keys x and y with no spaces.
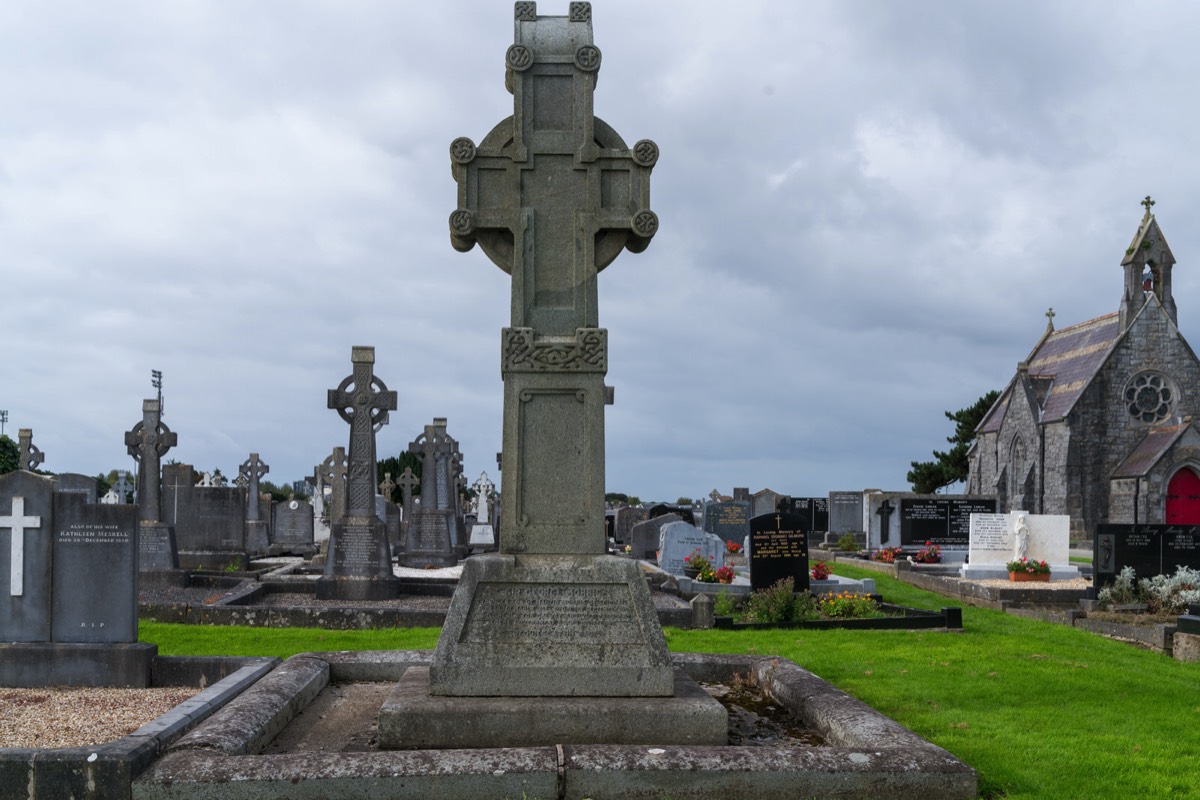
{"x":944,"y":522}
{"x":778,"y":550}
{"x":730,"y":520}
{"x":1150,"y":549}
{"x":359,"y":564}
{"x":814,"y":511}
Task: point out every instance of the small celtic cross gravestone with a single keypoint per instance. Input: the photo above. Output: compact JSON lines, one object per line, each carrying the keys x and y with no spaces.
{"x":387,"y":486}
{"x":148,"y":442}
{"x":251,"y":472}
{"x":28,"y":455}
{"x":122,"y":487}
{"x":363,"y":401}
{"x":408,"y":482}
{"x":333,"y":474}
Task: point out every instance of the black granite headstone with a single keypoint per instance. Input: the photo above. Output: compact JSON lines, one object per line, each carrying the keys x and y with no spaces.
{"x":813,"y":510}
{"x":1150,"y":549}
{"x":74,"y":483}
{"x":624,"y":520}
{"x":730,"y":520}
{"x":944,"y":522}
{"x":662,"y":509}
{"x":778,"y":550}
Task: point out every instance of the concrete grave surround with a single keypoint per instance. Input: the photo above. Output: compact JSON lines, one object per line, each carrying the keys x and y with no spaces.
{"x":359,"y":564}
{"x":997,"y":539}
{"x":552,"y":195}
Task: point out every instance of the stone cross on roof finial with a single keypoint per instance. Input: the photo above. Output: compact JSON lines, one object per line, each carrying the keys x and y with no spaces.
{"x":1148,"y":203}
{"x":1050,"y":319}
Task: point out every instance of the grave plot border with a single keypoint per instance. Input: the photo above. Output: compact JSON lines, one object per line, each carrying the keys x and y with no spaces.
{"x":903,"y":618}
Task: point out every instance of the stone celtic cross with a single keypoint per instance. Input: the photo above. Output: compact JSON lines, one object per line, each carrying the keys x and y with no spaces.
{"x":251,"y":472}
{"x":363,"y":401}
{"x":552,"y":195}
{"x":122,"y":487}
{"x":387,"y":486}
{"x":408,"y":482}
{"x":28,"y":455}
{"x":434,"y":447}
{"x":332,"y":473}
{"x":148,"y":442}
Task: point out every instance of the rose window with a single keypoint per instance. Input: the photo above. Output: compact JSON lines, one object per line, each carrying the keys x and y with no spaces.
{"x":1149,"y":397}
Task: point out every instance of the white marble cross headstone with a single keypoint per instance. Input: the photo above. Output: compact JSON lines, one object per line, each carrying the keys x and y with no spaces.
{"x":18,"y":523}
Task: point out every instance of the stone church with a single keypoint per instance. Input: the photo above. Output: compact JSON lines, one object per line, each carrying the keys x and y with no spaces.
{"x":1097,"y":422}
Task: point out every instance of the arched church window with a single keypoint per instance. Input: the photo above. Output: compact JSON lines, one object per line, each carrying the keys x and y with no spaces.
{"x":1149,"y":397}
{"x":1017,"y":459}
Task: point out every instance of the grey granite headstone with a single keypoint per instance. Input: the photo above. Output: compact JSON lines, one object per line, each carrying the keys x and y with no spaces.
{"x":359,"y":564}
{"x":647,"y":536}
{"x":845,"y":513}
{"x":626,"y":518}
{"x":552,"y":196}
{"x":292,"y":531}
{"x":680,"y":540}
{"x":26,"y":545}
{"x":74,"y":483}
{"x":729,"y":520}
{"x":95,"y":571}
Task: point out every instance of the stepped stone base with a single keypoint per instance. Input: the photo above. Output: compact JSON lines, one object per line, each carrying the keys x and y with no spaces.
{"x":413,"y":719}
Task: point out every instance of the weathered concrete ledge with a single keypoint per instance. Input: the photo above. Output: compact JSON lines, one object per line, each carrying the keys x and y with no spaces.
{"x":105,"y":771}
{"x":869,"y":755}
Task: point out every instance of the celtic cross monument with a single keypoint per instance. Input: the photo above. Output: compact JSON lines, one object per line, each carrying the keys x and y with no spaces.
{"x":552,"y":195}
{"x":359,"y":564}
{"x":147,"y":442}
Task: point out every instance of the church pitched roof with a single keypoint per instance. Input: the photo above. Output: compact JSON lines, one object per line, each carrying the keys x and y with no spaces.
{"x":1149,"y":451}
{"x":1060,"y":368}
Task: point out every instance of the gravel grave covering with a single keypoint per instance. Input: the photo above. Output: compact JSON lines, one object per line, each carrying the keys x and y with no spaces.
{"x":61,"y":717}
{"x":1074,"y":583}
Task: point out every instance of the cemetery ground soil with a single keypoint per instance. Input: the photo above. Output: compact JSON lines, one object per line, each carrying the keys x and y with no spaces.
{"x":1040,"y":710}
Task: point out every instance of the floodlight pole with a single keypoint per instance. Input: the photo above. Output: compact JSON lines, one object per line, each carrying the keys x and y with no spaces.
{"x":156,"y":382}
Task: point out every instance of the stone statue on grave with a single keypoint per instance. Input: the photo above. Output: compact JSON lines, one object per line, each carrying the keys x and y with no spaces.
{"x":1021,"y":540}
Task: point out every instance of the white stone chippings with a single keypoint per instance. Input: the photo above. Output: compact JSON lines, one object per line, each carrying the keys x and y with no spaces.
{"x":656,"y":751}
{"x":860,"y":758}
{"x":49,"y":718}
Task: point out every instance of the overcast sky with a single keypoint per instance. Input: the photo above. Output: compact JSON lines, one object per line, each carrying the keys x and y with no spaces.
{"x":866,"y":208}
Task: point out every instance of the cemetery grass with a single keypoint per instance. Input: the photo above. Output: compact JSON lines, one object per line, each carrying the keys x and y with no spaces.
{"x":1039,"y":710}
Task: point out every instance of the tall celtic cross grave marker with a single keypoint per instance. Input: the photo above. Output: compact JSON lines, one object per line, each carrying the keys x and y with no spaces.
{"x":359,"y":564}
{"x":552,"y":195}
{"x":147,"y":442}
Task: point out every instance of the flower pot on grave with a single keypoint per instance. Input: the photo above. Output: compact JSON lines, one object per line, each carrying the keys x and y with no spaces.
{"x":1029,"y":577}
{"x":688,"y":572}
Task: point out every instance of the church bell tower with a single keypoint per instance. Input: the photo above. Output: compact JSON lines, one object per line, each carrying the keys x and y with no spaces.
{"x":1147,"y":265}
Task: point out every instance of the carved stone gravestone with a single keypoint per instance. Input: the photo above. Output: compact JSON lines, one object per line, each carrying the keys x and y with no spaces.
{"x":680,"y":539}
{"x":646,"y":536}
{"x":292,"y":528}
{"x":996,"y":539}
{"x":147,"y":442}
{"x":552,"y":195}
{"x":624,"y":520}
{"x":29,"y":457}
{"x":432,"y":531}
{"x":74,"y":483}
{"x":359,"y":564}
{"x":209,"y":520}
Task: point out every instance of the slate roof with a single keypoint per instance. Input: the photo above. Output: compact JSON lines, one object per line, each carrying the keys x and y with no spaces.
{"x":1149,"y":451}
{"x":1060,"y":368}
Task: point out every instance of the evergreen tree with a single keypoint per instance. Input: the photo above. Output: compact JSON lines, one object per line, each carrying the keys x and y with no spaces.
{"x":952,"y":466}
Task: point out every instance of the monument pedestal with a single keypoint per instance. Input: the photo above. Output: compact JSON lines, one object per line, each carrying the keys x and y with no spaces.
{"x":413,"y":719}
{"x":258,"y":543}
{"x":158,"y":558}
{"x":429,"y":540}
{"x":39,"y":664}
{"x":359,"y":564}
{"x":552,"y":625}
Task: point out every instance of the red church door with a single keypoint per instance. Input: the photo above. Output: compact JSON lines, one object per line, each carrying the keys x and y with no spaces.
{"x":1183,"y":498}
